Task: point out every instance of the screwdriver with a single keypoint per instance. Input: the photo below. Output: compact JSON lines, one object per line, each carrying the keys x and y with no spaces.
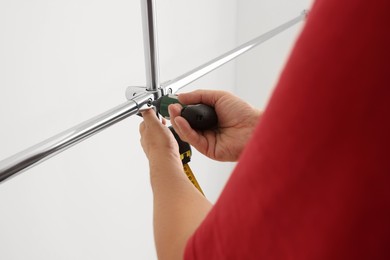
{"x":199,"y":116}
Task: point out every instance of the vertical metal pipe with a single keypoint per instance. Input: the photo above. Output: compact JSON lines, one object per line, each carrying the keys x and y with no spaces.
{"x":150,"y":44}
{"x":28,"y":158}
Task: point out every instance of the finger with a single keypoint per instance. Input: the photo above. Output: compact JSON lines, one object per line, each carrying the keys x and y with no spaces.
{"x":142,"y":133}
{"x":174,"y":110}
{"x":181,"y":126}
{"x":208,"y":97}
{"x":150,"y":117}
{"x":141,"y":127}
{"x":186,"y":133}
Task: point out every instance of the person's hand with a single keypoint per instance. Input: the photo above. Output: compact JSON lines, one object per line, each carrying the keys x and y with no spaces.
{"x":236,"y":122}
{"x":157,"y":140}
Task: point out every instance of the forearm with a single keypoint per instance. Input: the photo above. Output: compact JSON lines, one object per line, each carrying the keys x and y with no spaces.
{"x":179,"y":207}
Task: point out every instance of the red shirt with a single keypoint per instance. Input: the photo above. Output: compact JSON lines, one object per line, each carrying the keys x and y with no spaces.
{"x":314,"y":181}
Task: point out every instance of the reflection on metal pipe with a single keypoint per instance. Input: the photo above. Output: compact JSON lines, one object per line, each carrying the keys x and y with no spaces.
{"x":176,"y":84}
{"x":58,"y":143}
{"x":139,"y":100}
{"x":150,"y":44}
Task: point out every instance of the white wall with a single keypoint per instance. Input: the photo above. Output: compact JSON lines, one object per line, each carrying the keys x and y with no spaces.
{"x":259,"y":70}
{"x":62,"y":62}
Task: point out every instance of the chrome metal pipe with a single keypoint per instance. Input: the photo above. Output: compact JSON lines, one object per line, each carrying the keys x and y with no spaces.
{"x":56,"y":144}
{"x":60,"y":142}
{"x":176,"y":84}
{"x":149,"y":26}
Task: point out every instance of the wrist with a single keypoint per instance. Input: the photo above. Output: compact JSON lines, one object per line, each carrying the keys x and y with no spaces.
{"x":159,"y":163}
{"x":157,"y":156}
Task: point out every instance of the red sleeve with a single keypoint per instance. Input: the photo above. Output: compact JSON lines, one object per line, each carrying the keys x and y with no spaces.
{"x":313,"y":183}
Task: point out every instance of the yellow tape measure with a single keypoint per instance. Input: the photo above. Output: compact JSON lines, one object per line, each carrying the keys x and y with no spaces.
{"x":191,"y":177}
{"x":185,"y":156}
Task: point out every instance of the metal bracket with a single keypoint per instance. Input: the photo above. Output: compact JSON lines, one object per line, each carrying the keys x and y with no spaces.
{"x":140,"y":98}
{"x":133,"y":92}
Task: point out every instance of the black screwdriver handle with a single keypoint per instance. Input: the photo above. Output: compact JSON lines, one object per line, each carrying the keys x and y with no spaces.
{"x":200,"y":117}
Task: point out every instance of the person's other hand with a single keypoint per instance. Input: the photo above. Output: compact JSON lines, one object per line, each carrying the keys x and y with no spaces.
{"x":236,"y":122}
{"x":157,"y":140}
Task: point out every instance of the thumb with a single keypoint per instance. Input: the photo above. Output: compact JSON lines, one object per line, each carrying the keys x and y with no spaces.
{"x":150,"y":117}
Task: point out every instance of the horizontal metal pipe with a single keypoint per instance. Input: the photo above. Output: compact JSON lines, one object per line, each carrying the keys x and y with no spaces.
{"x":56,"y":144}
{"x":176,"y":84}
{"x":62,"y":141}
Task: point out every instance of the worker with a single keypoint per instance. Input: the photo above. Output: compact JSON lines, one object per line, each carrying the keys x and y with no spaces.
{"x":313,"y":172}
